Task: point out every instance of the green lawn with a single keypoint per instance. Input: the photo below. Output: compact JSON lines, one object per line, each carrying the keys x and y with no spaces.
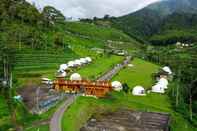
{"x":83,"y":108}
{"x":94,"y":31}
{"x":39,"y":128}
{"x":139,"y":74}
{"x":99,"y":66}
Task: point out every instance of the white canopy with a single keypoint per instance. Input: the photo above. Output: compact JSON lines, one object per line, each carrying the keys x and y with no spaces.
{"x":117,"y":85}
{"x":158,"y":88}
{"x":63,"y":66}
{"x":71,"y":64}
{"x":75,"y":76}
{"x":167,"y":69}
{"x":138,"y":91}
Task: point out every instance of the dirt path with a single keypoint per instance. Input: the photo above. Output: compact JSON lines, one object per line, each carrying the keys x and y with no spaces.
{"x":55,"y":122}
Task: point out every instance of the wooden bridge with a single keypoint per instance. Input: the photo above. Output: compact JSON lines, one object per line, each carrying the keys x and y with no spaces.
{"x":89,"y":88}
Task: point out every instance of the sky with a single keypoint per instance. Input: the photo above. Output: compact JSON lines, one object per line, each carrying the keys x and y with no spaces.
{"x":91,"y":8}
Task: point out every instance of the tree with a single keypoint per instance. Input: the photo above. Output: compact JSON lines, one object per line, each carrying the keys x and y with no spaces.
{"x":52,"y":16}
{"x":125,"y":88}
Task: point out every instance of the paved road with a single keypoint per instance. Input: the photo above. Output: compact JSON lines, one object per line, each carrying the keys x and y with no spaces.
{"x":109,"y":75}
{"x":55,"y":123}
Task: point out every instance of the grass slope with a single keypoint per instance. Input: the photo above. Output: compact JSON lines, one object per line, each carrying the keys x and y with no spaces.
{"x":84,"y":107}
{"x":100,"y":66}
{"x":97,"y":32}
{"x":139,"y":74}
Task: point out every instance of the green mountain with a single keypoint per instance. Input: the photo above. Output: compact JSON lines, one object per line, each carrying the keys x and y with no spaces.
{"x":33,"y":44}
{"x":163,"y":22}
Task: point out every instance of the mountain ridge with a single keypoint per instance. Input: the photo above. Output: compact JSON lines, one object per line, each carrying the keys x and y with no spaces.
{"x":159,"y":18}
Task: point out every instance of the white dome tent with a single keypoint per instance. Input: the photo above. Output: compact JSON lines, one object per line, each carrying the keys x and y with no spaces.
{"x":138,"y":91}
{"x":167,"y":69}
{"x":88,"y":59}
{"x":77,"y":63}
{"x":63,"y":66}
{"x":75,"y":77}
{"x":163,"y":82}
{"x":117,"y":86}
{"x":158,"y":88}
{"x":61,"y":73}
{"x":83,"y":61}
{"x":71,"y":64}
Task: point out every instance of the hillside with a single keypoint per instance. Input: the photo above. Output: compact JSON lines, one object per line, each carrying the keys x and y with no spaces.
{"x":34,"y":44}
{"x":161,"y":18}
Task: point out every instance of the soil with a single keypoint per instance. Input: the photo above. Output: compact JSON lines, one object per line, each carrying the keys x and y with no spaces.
{"x":126,"y":120}
{"x":32,"y":93}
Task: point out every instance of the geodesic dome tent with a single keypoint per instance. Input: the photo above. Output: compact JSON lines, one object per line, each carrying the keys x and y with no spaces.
{"x":117,"y":86}
{"x":83,"y":61}
{"x":76,"y":77}
{"x":61,"y":73}
{"x":163,"y":82}
{"x":138,"y":91}
{"x":63,"y":66}
{"x":158,"y":88}
{"x":167,"y":69}
{"x":71,"y":64}
{"x":77,"y":63}
{"x":88,"y":59}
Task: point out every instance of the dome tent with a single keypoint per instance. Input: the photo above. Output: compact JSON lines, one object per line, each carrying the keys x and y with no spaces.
{"x":61,"y":73}
{"x":76,"y":77}
{"x":83,"y":61}
{"x":71,"y":64}
{"x":167,"y":69}
{"x":158,"y":88}
{"x":117,"y":85}
{"x":77,"y":63}
{"x":163,"y":82}
{"x":138,"y":91}
{"x":88,"y":59}
{"x":63,"y":66}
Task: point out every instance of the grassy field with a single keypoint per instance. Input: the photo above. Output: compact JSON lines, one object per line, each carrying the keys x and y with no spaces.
{"x":99,"y":66}
{"x":84,"y":108}
{"x":39,"y":128}
{"x":139,"y":74}
{"x":94,"y":31}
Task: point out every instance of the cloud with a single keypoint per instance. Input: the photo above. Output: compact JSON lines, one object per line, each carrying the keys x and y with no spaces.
{"x":91,"y":8}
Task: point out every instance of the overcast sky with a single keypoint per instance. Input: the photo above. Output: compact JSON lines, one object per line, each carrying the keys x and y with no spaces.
{"x":91,"y":8}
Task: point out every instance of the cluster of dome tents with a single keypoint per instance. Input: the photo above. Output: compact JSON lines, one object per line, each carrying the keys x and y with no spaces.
{"x":159,"y":87}
{"x":73,"y":64}
{"x":162,"y":83}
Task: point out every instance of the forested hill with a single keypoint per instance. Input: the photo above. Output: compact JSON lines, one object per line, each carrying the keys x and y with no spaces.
{"x":164,"y":22}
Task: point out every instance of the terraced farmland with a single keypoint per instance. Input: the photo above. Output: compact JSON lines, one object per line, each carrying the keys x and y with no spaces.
{"x":96,"y":32}
{"x":32,"y":64}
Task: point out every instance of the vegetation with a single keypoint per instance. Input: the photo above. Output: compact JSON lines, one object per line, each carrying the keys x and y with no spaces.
{"x":183,"y":63}
{"x":100,"y":66}
{"x":139,"y":74}
{"x":84,"y":108}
